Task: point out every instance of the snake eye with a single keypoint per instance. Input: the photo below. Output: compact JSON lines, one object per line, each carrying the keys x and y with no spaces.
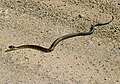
{"x":11,"y":46}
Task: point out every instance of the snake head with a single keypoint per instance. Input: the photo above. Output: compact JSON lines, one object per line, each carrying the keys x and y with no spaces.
{"x":11,"y":47}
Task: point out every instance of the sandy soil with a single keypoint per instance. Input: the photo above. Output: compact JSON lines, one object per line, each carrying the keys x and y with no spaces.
{"x":93,"y":59}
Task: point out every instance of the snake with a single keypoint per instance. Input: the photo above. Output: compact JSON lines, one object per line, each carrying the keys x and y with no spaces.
{"x":58,"y":40}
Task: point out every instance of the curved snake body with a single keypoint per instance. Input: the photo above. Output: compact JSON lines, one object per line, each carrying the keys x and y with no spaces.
{"x":53,"y":45}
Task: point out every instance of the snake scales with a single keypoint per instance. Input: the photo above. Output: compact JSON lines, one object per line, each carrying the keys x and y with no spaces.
{"x":53,"y":45}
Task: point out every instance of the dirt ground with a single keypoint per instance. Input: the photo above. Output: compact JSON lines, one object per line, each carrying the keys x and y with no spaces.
{"x":93,"y":59}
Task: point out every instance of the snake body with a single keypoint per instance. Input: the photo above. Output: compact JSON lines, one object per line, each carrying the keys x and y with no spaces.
{"x":53,"y":45}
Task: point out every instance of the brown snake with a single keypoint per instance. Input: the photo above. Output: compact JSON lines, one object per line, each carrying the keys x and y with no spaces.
{"x":53,"y":45}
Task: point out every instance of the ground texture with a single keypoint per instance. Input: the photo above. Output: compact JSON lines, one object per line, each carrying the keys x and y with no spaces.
{"x":93,"y":59}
